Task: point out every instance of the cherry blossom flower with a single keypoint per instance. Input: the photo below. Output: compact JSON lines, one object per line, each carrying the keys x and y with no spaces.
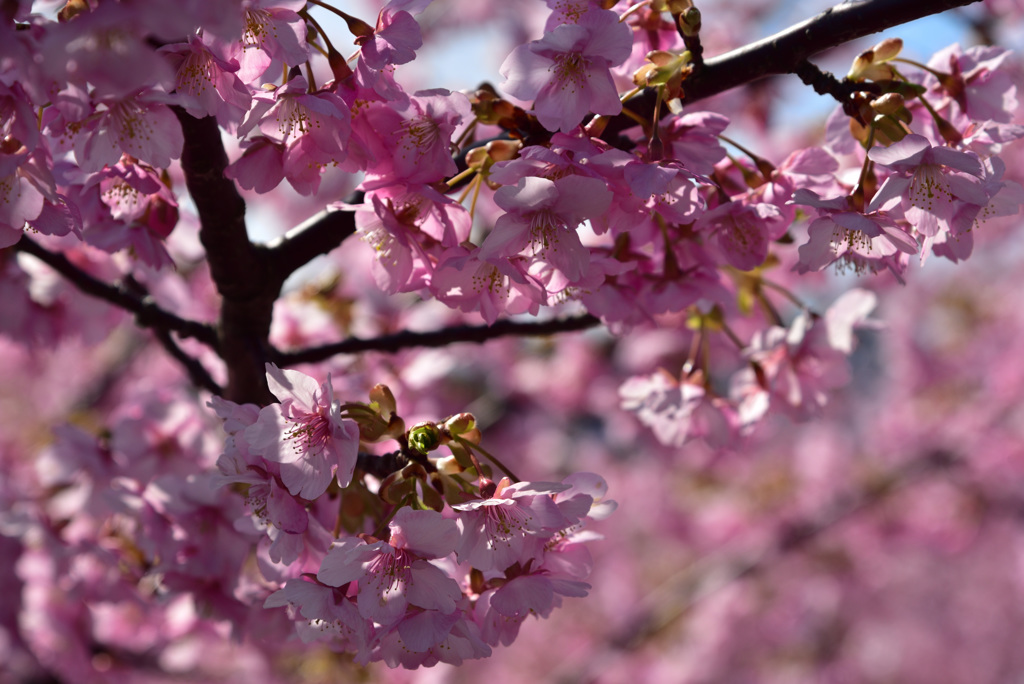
{"x":842,"y":235}
{"x":328,"y":617}
{"x":402,"y":223}
{"x":465,"y":281}
{"x":392,"y":575}
{"x":20,"y":200}
{"x":394,"y":41}
{"x":305,"y":433}
{"x":742,"y":232}
{"x":543,"y":215}
{"x":207,"y":84}
{"x":313,"y":128}
{"x":678,"y":411}
{"x":140,"y":125}
{"x":273,"y":32}
{"x":510,"y":525}
{"x":413,"y":142}
{"x":930,"y":184}
{"x":568,"y":71}
{"x":692,"y":139}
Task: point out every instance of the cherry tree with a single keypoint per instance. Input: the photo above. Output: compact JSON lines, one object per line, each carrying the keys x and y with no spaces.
{"x":312,"y":367}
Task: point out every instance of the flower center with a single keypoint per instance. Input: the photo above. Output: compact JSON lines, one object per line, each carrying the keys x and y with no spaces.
{"x":571,"y":70}
{"x":310,"y":433}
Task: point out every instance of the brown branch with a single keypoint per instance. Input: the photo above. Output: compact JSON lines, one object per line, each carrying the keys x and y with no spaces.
{"x":436,"y":338}
{"x":783,"y":52}
{"x":240,"y":269}
{"x":147,"y":313}
{"x":318,"y":235}
{"x":197,"y":373}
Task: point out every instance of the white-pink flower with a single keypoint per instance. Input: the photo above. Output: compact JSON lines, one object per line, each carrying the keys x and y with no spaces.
{"x":305,"y":433}
{"x":395,"y":574}
{"x":931,"y":184}
{"x":567,"y":72}
{"x":510,"y":526}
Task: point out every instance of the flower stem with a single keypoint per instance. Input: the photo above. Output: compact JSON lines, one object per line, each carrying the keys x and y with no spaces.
{"x":476,"y":447}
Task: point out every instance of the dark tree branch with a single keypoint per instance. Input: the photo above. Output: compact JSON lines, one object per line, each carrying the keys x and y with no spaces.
{"x":147,"y":313}
{"x":783,"y":52}
{"x":197,"y":373}
{"x":437,"y":338}
{"x":318,"y":235}
{"x":825,"y":83}
{"x":240,"y":269}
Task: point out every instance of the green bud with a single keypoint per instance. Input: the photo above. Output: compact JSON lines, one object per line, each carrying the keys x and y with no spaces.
{"x":424,"y":437}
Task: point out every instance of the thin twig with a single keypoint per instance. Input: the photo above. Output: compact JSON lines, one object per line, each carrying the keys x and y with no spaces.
{"x":197,"y":373}
{"x":781,"y":53}
{"x":147,"y":313}
{"x":436,"y":338}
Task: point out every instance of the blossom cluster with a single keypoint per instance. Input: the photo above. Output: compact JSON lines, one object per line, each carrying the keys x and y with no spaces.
{"x":451,"y":564}
{"x":655,"y":224}
{"x":496,"y":203}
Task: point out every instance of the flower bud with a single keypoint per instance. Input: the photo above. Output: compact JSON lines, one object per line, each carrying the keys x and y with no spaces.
{"x":448,"y":465}
{"x":476,"y":158}
{"x":887,"y":49}
{"x":459,"y":424}
{"x":383,"y":401}
{"x":503,"y":150}
{"x":890,"y":103}
{"x":689,"y":22}
{"x":662,"y":67}
{"x":424,"y":437}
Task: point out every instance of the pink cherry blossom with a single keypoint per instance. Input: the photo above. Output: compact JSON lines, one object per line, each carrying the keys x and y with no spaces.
{"x":394,"y":41}
{"x":207,"y":83}
{"x":567,"y":72}
{"x":509,"y":526}
{"x":465,"y":281}
{"x":415,"y":139}
{"x":395,"y":575}
{"x":305,"y":433}
{"x":543,"y":215}
{"x":843,"y":236}
{"x":930,"y":184}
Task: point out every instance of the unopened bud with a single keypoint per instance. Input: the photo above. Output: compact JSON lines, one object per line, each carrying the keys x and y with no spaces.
{"x":890,"y":103}
{"x":689,"y":22}
{"x":383,"y":401}
{"x":503,"y":150}
{"x":424,"y":437}
{"x":887,"y":49}
{"x":448,"y":465}
{"x":662,"y":67}
{"x":476,"y":158}
{"x":72,"y":9}
{"x":679,"y":6}
{"x":888,"y":130}
{"x":460,"y":424}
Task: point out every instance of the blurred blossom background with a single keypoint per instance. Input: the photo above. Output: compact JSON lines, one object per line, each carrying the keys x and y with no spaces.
{"x":882,"y":541}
